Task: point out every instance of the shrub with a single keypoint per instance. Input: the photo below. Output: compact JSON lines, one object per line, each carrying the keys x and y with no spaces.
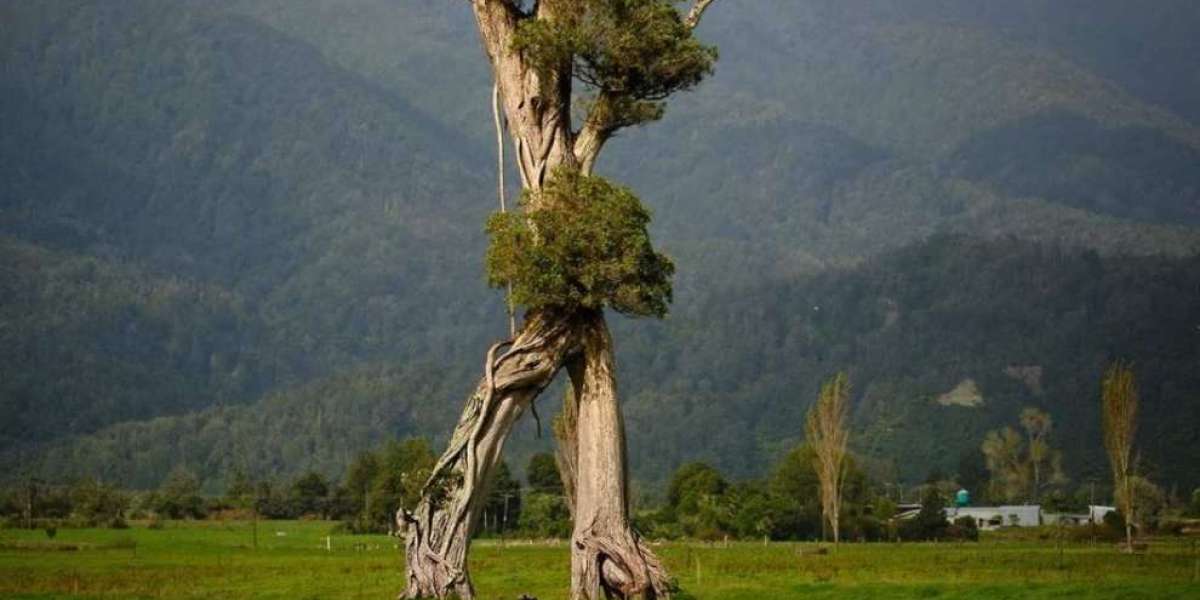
{"x":585,"y":246}
{"x":1114,"y":525}
{"x":930,"y":523}
{"x":1193,"y":508}
{"x":1170,"y":526}
{"x":179,"y":496}
{"x":545,"y":516}
{"x":964,"y":528}
{"x":872,"y":529}
{"x":96,"y":504}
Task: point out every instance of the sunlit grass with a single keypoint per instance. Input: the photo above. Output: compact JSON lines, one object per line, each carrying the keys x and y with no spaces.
{"x":218,"y":560}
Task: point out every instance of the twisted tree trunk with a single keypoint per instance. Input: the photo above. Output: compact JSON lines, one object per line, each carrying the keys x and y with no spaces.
{"x":439,"y":528}
{"x":608,"y":558}
{"x":607,"y":555}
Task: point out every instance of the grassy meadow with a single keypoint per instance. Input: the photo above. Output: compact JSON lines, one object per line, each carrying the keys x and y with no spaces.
{"x":294,"y":560}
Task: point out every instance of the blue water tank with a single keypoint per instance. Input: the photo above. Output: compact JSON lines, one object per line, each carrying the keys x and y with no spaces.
{"x":962,"y":498}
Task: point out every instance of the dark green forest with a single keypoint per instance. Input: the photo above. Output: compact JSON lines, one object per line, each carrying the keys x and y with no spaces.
{"x":247,"y":235}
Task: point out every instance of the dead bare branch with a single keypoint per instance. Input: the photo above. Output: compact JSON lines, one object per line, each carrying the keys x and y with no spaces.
{"x":693,"y":17}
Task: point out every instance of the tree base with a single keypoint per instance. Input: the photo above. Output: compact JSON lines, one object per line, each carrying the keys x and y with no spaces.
{"x":615,"y":565}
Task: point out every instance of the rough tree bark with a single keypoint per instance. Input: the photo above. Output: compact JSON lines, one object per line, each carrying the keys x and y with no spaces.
{"x":608,"y":558}
{"x":538,"y":112}
{"x":439,"y":528}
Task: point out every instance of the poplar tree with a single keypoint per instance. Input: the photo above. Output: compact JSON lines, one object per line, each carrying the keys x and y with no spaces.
{"x":1037,"y":425}
{"x":827,"y":434}
{"x":1119,"y":405}
{"x":577,"y":247}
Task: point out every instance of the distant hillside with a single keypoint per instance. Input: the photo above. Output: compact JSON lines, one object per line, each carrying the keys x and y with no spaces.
{"x":836,"y":130}
{"x":321,"y":425}
{"x":222,"y":221}
{"x":197,"y":145}
{"x":740,"y":368}
{"x":86,"y":343}
{"x":743,"y":365}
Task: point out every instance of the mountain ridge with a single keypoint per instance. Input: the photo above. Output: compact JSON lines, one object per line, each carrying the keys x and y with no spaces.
{"x":335,"y":185}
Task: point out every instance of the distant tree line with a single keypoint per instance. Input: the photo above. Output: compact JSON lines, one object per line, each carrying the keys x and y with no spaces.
{"x":817,"y":490}
{"x":699,"y":503}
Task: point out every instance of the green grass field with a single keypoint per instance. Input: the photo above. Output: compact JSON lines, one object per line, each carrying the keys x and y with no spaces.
{"x":218,"y":560}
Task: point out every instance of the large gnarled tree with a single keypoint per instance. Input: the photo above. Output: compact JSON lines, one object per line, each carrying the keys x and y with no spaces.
{"x":578,"y":246}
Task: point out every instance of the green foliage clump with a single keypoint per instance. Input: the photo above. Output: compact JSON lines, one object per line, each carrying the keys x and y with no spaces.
{"x":179,"y":496}
{"x":502,"y":509}
{"x":964,"y":528}
{"x":585,"y":246}
{"x":95,"y":503}
{"x":691,"y":484}
{"x":309,"y":494}
{"x":634,"y":53}
{"x":930,"y":522}
{"x":543,"y":476}
{"x":544,"y":512}
{"x":1193,"y":509}
{"x":377,"y":482}
{"x":545,"y":516}
{"x":697,"y":502}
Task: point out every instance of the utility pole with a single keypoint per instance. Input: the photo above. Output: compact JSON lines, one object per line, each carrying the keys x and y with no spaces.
{"x":30,"y":497}
{"x":29,"y":504}
{"x":504,"y":518}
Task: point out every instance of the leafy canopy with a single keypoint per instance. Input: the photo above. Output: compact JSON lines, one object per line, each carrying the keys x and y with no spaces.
{"x":632,"y":54}
{"x":586,"y":246}
{"x":543,"y":474}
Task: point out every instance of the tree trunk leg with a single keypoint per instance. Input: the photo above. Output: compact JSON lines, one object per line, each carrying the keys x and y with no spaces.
{"x":608,"y":560}
{"x":439,"y":528}
{"x":565,"y":455}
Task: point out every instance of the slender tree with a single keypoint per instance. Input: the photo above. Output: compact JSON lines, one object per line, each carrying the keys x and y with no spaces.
{"x":1002,"y":449}
{"x":577,"y":246}
{"x":565,"y":427}
{"x":1022,"y":467}
{"x":828,"y":435}
{"x":1119,"y":405}
{"x":1037,"y":426}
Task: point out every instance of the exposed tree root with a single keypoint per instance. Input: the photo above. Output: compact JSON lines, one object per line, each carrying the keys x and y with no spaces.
{"x":617,"y":564}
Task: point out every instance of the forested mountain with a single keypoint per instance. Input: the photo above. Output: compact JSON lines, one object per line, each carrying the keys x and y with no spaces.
{"x":241,"y":160}
{"x":249,"y":232}
{"x":1028,"y":324}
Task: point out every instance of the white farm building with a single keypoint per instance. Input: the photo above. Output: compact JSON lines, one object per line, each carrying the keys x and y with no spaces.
{"x":1023,"y":515}
{"x":992,"y":517}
